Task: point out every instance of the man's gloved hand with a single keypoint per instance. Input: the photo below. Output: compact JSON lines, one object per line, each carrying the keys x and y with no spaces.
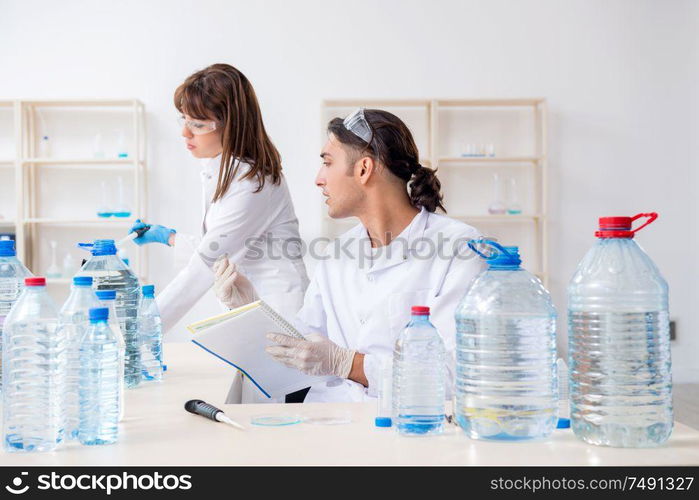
{"x":156,"y":233}
{"x":315,"y":356}
{"x":231,"y":287}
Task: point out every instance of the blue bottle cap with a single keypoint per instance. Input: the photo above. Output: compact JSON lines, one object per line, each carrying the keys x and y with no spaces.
{"x":7,"y":248}
{"x":104,"y":247}
{"x":500,"y":257}
{"x":383,"y":422}
{"x":99,"y":314}
{"x":148,"y":290}
{"x":106,"y":294}
{"x":82,"y":280}
{"x":563,"y":423}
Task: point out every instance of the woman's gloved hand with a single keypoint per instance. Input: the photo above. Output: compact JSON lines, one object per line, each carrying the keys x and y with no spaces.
{"x":156,"y":233}
{"x":232,"y":288}
{"x":315,"y":356}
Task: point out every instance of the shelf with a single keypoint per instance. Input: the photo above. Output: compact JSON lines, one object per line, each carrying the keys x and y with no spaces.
{"x":379,"y":103}
{"x":6,"y":162}
{"x":79,"y":161}
{"x":6,"y":223}
{"x":79,"y":222}
{"x":487,"y":159}
{"x":467,"y":103}
{"x":498,"y":218}
{"x":83,"y":102}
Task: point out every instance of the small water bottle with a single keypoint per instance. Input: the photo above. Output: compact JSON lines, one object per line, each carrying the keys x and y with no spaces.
{"x":151,"y":336}
{"x":73,"y":319}
{"x":110,"y":273}
{"x":99,"y":381}
{"x":108,"y":299}
{"x":12,"y":274}
{"x":34,"y":371}
{"x":619,"y":342}
{"x":419,"y":377}
{"x":505,"y":352}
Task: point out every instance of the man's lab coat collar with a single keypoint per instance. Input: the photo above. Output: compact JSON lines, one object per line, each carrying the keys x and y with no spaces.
{"x":401,"y":246}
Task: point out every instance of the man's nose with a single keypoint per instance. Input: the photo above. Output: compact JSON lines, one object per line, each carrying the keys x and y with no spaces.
{"x":320,"y":179}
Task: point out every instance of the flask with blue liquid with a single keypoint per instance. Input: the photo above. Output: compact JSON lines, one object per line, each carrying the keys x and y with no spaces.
{"x":619,"y":342}
{"x":506,"y":381}
{"x":419,"y":377}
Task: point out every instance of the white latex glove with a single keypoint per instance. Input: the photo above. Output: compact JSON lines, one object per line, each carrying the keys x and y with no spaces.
{"x":231,"y":287}
{"x":315,"y":356}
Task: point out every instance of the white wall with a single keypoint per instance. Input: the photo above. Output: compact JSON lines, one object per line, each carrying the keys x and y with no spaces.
{"x":620,"y":76}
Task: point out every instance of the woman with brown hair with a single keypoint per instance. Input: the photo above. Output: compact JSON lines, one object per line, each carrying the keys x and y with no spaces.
{"x":250,"y":230}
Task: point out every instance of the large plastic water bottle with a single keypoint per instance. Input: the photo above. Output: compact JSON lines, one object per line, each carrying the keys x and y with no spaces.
{"x":110,"y":273}
{"x":12,"y":274}
{"x":99,"y":381}
{"x":506,"y":352}
{"x":619,"y":342}
{"x":108,"y":299}
{"x":74,"y":321}
{"x":150,"y":329}
{"x":419,"y":377}
{"x":34,"y":372}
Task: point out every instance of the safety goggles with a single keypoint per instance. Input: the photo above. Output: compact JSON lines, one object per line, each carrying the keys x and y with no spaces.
{"x":357,"y":124}
{"x":197,"y":127}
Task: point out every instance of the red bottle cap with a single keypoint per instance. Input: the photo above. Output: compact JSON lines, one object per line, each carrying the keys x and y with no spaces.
{"x":620,"y":227}
{"x":420,"y":310}
{"x":35,"y":281}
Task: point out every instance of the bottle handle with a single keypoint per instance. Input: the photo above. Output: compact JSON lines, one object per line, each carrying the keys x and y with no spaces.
{"x":651,"y":218}
{"x":500,"y":249}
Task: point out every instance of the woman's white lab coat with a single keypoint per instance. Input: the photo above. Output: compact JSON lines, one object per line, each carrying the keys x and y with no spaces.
{"x":259,"y":232}
{"x":363,"y":302}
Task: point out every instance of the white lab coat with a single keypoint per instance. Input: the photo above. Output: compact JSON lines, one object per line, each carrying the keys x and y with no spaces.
{"x":259,"y":232}
{"x":363,"y":305}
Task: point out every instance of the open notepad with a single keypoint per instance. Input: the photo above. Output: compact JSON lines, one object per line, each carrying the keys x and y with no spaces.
{"x":238,"y":337}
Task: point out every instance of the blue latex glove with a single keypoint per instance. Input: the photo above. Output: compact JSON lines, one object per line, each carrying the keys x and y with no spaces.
{"x":156,"y":233}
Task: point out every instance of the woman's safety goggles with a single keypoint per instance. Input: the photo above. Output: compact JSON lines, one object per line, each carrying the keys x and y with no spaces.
{"x":357,"y":124}
{"x":197,"y":127}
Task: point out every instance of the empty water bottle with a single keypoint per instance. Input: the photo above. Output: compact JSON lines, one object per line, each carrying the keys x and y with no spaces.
{"x":150,"y":330}
{"x":12,"y":274}
{"x":99,"y":381}
{"x":505,"y":352}
{"x":108,"y":299}
{"x":73,"y":319}
{"x":34,"y":372}
{"x":419,"y":377}
{"x":619,"y":342}
{"x":110,"y":273}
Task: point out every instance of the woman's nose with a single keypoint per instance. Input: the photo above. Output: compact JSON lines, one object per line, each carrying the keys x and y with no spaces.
{"x":187,"y":133}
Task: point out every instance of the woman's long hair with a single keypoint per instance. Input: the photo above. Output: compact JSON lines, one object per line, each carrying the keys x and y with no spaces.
{"x":222,"y":93}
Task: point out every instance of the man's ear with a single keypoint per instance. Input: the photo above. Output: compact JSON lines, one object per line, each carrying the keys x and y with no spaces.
{"x":365,"y":169}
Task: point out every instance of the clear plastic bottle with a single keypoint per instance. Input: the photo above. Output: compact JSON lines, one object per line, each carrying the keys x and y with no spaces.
{"x":506,"y":386}
{"x":150,"y":330}
{"x":12,"y":274}
{"x":619,"y":342}
{"x":99,"y":381}
{"x":73,"y":320}
{"x":33,"y":371}
{"x":419,"y":377}
{"x":110,"y":273}
{"x":108,"y":299}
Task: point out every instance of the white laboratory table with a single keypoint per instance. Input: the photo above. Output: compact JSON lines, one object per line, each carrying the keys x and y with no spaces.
{"x":158,"y":431}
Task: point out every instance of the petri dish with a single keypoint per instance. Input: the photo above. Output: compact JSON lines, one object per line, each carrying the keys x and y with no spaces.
{"x":267,"y":420}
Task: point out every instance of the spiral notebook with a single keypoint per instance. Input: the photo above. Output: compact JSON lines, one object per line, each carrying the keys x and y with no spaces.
{"x":238,"y":338}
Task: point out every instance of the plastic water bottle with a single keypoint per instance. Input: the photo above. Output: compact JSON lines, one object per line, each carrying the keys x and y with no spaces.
{"x":34,"y":372}
{"x":419,"y":377}
{"x":110,"y":273}
{"x":619,"y":342}
{"x":506,"y":352}
{"x":99,"y":381}
{"x":108,"y":299}
{"x":151,"y":333}
{"x":73,"y":319}
{"x":12,"y":274}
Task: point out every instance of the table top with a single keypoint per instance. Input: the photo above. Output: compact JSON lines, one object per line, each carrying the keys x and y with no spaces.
{"x":158,"y":431}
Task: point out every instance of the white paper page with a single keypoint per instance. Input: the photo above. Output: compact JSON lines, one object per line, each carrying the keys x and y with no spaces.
{"x":241,"y":340}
